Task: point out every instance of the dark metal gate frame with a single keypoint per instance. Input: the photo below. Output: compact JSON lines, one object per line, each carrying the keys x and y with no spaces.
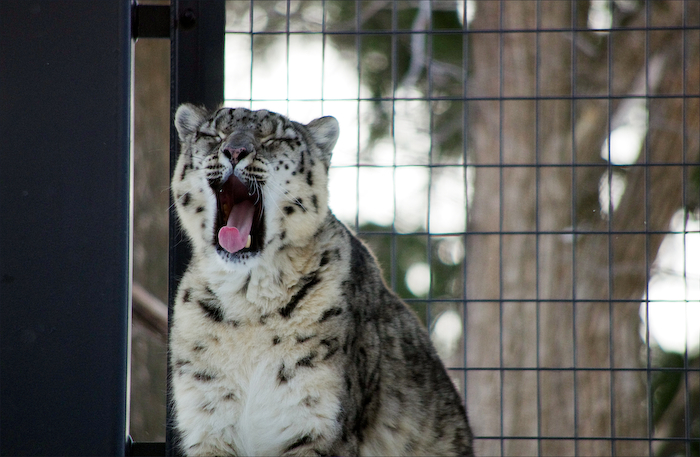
{"x":65,"y":226}
{"x":197,"y":75}
{"x":65,"y":201}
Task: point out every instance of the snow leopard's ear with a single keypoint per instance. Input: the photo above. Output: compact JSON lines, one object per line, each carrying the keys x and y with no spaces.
{"x":324,"y":131}
{"x":188,"y":119}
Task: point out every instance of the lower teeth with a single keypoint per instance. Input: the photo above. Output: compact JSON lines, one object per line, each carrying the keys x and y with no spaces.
{"x":248,"y":241}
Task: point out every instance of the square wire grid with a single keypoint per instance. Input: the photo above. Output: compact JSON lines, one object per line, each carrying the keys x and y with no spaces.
{"x":527,"y":173}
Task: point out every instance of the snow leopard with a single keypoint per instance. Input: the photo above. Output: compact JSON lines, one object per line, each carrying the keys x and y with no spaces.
{"x":285,"y":339}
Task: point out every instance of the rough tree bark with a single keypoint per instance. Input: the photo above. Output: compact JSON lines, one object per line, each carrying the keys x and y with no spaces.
{"x":551,"y":299}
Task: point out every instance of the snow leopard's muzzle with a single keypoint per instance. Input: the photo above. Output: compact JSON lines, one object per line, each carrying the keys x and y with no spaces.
{"x":239,"y":224}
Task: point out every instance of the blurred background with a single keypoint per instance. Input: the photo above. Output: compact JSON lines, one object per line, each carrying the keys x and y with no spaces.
{"x":528,"y":175}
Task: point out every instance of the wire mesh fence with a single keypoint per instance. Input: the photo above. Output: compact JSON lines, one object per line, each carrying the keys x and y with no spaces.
{"x":528,"y":175}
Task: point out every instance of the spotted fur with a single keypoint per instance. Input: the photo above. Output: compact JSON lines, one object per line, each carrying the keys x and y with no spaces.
{"x":294,"y":346}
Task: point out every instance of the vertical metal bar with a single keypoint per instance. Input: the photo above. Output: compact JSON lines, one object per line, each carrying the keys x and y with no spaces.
{"x":465,"y":159}
{"x":538,"y":59}
{"x":501,"y":23}
{"x":611,"y":327}
{"x":197,"y":76}
{"x":428,"y":37}
{"x":574,"y":228}
{"x":65,"y":226}
{"x":287,"y":52}
{"x":358,"y":51}
{"x":252,"y":50}
{"x":684,"y":147}
{"x":647,"y":212}
{"x":394,"y":83}
{"x":324,"y":38}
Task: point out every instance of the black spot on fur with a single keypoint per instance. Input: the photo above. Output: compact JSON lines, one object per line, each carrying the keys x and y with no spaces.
{"x":263,"y":319}
{"x":310,"y":401}
{"x":184,"y":172}
{"x":199,"y":347}
{"x":234,"y":323}
{"x":307,"y":361}
{"x":310,"y":178}
{"x":330,"y":256}
{"x":181,"y":363}
{"x":229,"y":397}
{"x":332,"y":312}
{"x":276,"y":340}
{"x":209,"y":408}
{"x":203,"y":377}
{"x":332,"y":345}
{"x":212,"y":310}
{"x":300,"y":203}
{"x":244,"y":289}
{"x":303,"y":441}
{"x":358,"y":256}
{"x":186,"y":297}
{"x":318,"y":232}
{"x":283,"y":235}
{"x":314,"y":201}
{"x":186,"y":199}
{"x":309,"y":282}
{"x":282,"y":375}
{"x":302,"y":339}
{"x":200,"y":209}
{"x":289,"y":210}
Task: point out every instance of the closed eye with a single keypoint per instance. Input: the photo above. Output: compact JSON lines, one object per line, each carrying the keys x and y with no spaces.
{"x":208,"y":137}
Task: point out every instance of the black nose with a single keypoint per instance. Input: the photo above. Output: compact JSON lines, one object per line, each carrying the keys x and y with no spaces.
{"x":238,"y":146}
{"x":235,"y":155}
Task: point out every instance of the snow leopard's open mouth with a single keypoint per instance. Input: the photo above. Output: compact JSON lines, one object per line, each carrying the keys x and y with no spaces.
{"x":239,"y":224}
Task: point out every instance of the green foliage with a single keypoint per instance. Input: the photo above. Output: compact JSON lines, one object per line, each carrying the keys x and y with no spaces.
{"x":665,"y":383}
{"x":671,"y":385}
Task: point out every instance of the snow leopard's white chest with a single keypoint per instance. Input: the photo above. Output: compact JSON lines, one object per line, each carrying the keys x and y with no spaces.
{"x":250,"y":386}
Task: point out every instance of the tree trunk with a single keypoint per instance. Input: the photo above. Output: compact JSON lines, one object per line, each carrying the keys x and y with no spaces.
{"x":566,"y":303}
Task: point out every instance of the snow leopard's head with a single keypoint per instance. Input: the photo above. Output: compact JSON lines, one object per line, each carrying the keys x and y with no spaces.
{"x":248,"y":182}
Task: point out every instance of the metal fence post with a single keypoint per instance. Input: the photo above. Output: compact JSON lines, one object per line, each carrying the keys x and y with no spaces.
{"x":65,"y":228}
{"x":197,"y":76}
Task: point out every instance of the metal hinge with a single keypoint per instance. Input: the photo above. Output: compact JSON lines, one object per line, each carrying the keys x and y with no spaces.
{"x":150,"y":21}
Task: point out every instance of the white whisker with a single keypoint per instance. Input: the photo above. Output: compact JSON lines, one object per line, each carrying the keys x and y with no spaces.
{"x":285,"y":195}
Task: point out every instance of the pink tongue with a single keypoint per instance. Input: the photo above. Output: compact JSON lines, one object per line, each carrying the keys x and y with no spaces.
{"x":234,"y":235}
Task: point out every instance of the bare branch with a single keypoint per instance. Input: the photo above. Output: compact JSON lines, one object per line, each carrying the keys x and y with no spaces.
{"x":151,"y":311}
